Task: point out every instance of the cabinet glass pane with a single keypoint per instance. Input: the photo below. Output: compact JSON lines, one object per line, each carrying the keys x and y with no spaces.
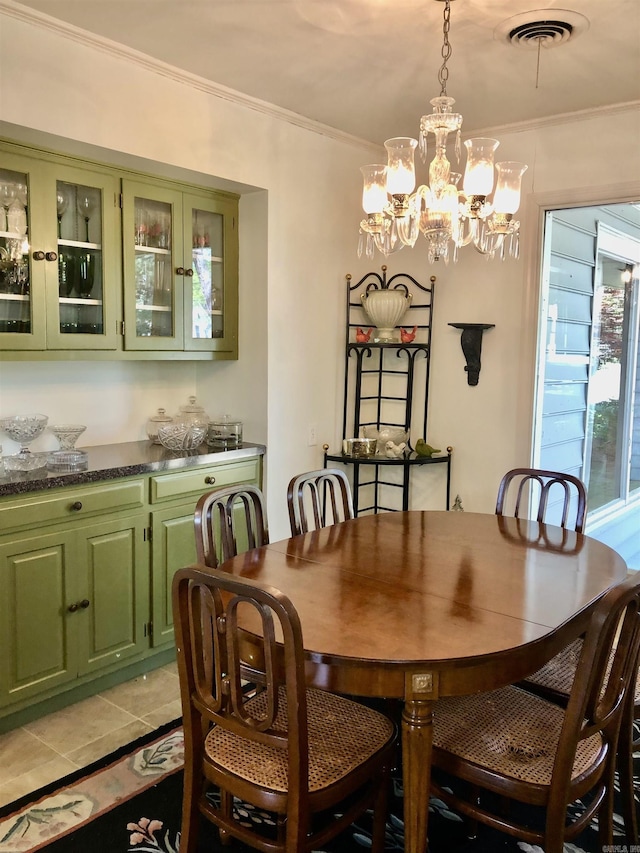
{"x":153,"y":270}
{"x":80,"y":259}
{"x":207,"y":320}
{"x":15,"y":278}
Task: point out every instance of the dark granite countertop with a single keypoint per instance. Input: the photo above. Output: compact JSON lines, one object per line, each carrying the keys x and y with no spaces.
{"x":111,"y":461}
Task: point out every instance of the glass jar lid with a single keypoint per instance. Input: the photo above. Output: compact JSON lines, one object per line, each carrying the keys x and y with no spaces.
{"x":155,"y":422}
{"x":192,"y":413}
{"x":161,"y":417}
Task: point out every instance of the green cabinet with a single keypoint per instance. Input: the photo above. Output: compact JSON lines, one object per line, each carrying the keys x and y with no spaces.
{"x":73,"y":602}
{"x":113,"y":264}
{"x":86,"y":572}
{"x":59,"y":256}
{"x":180,"y":256}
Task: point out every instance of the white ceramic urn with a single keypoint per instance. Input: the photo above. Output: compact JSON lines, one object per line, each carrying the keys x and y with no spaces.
{"x":385,"y":308}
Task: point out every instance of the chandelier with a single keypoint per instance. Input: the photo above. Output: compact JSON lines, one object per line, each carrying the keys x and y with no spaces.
{"x":449,"y":216}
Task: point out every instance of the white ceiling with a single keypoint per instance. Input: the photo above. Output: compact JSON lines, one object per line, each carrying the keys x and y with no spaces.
{"x":369,"y":67}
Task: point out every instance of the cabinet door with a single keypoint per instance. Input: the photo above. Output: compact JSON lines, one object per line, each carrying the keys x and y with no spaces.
{"x":83,"y":284}
{"x":173,"y":548}
{"x":211,"y":274}
{"x":38,"y":634}
{"x":113,"y":592}
{"x":22,"y":280}
{"x":153,"y":267}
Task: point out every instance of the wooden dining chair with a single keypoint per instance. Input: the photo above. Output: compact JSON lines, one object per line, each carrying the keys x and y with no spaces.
{"x":315,"y":760}
{"x":528,"y":481}
{"x":555,"y":679}
{"x":318,"y":499}
{"x":229,"y":521}
{"x":561,"y":759}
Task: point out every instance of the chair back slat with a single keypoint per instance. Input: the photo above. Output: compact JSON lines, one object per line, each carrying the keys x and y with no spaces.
{"x":571,"y":490}
{"x":319,"y":499}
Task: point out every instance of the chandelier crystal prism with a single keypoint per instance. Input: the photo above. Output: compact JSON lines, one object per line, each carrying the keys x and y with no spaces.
{"x":448,"y":216}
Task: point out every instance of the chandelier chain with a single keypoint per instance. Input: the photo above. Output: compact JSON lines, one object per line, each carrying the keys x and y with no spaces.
{"x":443,"y":73}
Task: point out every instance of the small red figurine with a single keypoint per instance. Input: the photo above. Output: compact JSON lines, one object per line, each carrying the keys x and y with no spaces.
{"x":407,"y":337}
{"x":363,"y":337}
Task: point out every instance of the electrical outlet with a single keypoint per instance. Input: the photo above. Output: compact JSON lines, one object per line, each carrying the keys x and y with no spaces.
{"x":312,"y":436}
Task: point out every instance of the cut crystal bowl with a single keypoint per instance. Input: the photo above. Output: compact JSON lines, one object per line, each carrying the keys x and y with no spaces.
{"x":178,"y":437}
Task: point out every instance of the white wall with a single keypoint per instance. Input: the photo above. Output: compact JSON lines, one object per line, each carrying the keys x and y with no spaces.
{"x":292,"y":266}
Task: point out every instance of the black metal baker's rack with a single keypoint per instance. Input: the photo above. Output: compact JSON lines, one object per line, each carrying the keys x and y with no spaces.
{"x":387,"y":385}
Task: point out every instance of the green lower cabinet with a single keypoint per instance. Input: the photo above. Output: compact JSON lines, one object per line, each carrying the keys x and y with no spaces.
{"x":173,"y":548}
{"x":85,"y":580}
{"x":72,"y":602}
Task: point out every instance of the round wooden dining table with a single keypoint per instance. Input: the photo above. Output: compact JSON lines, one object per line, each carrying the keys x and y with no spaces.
{"x":421,"y":604}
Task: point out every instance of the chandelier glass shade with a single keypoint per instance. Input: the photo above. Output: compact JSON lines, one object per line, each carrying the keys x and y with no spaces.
{"x":454,"y":209}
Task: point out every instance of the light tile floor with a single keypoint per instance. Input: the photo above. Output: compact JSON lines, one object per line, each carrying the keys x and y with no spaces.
{"x":53,"y":746}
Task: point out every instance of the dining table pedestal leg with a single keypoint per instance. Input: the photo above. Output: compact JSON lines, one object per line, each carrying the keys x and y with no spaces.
{"x":417,"y":742}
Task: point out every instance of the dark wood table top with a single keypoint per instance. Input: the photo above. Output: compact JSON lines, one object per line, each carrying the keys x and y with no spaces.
{"x":399,"y":591}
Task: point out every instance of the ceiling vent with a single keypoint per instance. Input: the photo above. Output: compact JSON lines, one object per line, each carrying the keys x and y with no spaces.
{"x":542,"y":28}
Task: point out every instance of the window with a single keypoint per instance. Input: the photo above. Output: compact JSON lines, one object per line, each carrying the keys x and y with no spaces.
{"x":588,"y":400}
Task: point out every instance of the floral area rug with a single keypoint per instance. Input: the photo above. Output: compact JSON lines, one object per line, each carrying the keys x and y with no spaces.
{"x":133,"y":805}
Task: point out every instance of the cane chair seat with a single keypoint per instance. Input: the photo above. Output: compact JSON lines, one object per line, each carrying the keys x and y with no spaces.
{"x":342,"y":734}
{"x":519,"y":734}
{"x":319,"y":499}
{"x":556,"y":677}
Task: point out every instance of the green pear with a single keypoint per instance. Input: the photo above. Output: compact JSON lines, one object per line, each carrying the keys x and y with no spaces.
{"x":424,"y":449}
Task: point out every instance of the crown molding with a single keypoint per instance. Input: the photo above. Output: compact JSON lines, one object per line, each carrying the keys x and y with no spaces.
{"x":217,"y":90}
{"x":609,"y":110}
{"x":164,"y":69}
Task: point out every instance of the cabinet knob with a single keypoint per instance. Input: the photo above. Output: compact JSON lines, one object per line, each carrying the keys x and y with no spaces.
{"x":209,"y":480}
{"x":72,"y":608}
{"x":189,"y":273}
{"x":180,"y":271}
{"x":51,"y":256}
{"x":85,"y":603}
{"x":38,"y":256}
{"x":76,"y":507}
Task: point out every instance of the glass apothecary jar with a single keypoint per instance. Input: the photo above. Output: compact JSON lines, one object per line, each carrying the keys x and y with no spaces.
{"x":161,"y":418}
{"x":224,"y":432}
{"x":193,"y":414}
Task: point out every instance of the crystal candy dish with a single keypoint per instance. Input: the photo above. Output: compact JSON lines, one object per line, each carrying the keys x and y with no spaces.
{"x":67,"y":434}
{"x":24,"y":429}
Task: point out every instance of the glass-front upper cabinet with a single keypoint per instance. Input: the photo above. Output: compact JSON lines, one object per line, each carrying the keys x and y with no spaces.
{"x":59,"y":256}
{"x":178,"y":248}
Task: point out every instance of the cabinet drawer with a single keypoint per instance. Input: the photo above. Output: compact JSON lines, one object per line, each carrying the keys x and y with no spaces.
{"x":171,"y":486}
{"x":71,"y":504}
